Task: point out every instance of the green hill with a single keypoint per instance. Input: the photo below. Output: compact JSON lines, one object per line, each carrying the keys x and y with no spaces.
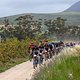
{"x":73,"y":18}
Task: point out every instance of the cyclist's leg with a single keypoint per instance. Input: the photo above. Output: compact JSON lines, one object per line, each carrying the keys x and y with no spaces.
{"x":30,"y":55}
{"x":34,"y":63}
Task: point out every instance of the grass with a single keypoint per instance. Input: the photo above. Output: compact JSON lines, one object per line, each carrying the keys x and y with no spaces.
{"x":12,"y":63}
{"x":67,"y":68}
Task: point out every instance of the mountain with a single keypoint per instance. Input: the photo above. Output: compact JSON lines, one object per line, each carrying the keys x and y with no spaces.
{"x":72,"y":15}
{"x":74,"y":8}
{"x":73,"y":18}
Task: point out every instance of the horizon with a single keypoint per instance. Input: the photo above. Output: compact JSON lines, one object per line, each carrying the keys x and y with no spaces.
{"x":9,"y":7}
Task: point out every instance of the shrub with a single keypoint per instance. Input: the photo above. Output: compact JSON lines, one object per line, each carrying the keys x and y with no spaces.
{"x":14,"y":49}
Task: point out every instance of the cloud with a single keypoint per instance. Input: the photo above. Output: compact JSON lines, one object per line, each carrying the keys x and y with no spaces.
{"x":10,"y":7}
{"x":50,"y":8}
{"x":33,"y":3}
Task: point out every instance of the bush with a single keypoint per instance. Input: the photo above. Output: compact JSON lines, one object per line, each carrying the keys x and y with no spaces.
{"x":13,"y":49}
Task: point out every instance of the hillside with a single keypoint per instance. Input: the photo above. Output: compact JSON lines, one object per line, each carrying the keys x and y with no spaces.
{"x":74,"y":8}
{"x":73,"y":18}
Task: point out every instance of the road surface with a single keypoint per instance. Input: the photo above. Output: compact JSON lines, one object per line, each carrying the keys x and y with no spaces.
{"x":22,"y":71}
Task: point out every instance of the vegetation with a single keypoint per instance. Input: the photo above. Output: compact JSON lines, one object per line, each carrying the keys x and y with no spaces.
{"x":16,"y":38}
{"x":13,"y":52}
{"x":58,"y":28}
{"x":64,"y":69}
{"x":72,"y":17}
{"x":27,"y":26}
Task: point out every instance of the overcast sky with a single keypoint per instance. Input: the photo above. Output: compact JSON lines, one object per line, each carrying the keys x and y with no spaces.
{"x":13,"y":7}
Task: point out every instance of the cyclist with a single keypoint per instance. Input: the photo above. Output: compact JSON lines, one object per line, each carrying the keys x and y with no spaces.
{"x":46,"y":48}
{"x":50,"y":50}
{"x":41,"y":49}
{"x":35,"y":57}
{"x":35,"y":61}
{"x":31,"y":49}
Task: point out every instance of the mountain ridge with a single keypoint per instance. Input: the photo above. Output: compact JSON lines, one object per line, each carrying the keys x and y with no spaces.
{"x":74,"y":8}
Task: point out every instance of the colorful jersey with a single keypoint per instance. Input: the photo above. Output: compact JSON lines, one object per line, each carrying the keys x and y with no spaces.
{"x":32,"y":46}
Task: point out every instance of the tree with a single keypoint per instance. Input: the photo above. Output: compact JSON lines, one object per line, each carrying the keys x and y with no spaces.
{"x":3,"y":34}
{"x":6,"y":22}
{"x":26,"y":27}
{"x":56,"y":26}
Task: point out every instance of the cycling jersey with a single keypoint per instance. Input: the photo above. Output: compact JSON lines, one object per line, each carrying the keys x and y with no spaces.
{"x":41,"y":48}
{"x":46,"y":47}
{"x":50,"y":46}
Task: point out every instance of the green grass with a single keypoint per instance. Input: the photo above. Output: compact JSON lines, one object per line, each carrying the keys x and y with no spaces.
{"x":11,"y":63}
{"x":60,"y":70}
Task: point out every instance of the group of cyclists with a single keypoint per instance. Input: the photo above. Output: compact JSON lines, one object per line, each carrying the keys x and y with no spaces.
{"x":45,"y":50}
